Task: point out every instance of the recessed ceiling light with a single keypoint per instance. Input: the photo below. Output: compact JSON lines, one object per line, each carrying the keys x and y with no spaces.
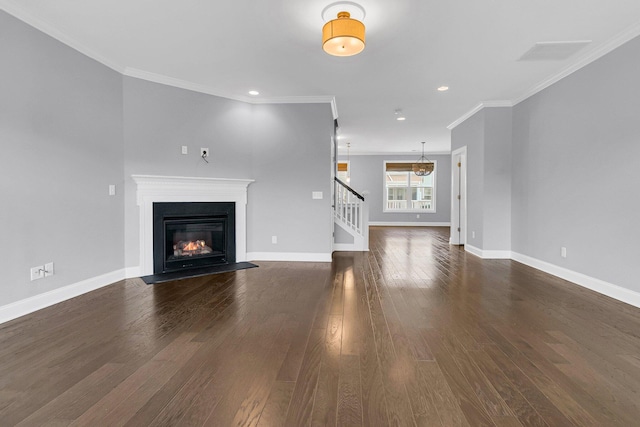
{"x":401,"y":119}
{"x":443,"y":88}
{"x":254,"y":92}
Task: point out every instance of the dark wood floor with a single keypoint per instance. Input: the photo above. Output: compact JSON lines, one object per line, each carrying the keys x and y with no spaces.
{"x":415,"y":332}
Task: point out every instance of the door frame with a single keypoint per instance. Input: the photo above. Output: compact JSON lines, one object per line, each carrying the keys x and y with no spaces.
{"x":458,"y":206}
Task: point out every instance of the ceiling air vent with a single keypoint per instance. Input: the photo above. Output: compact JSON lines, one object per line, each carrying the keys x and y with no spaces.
{"x":553,"y":51}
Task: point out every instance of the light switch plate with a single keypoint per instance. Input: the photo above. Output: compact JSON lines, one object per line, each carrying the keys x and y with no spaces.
{"x":316,"y":195}
{"x":37,"y":272}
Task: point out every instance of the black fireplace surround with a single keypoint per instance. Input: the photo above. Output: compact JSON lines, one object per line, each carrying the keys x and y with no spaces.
{"x":193,"y":235}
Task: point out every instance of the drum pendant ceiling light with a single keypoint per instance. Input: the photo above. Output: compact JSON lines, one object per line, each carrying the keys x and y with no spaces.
{"x":343,"y":36}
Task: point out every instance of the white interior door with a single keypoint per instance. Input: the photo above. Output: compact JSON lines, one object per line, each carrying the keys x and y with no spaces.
{"x":459,"y":196}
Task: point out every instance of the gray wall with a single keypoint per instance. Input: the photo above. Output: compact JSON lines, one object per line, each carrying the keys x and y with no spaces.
{"x":576,"y":154}
{"x":487,"y":136}
{"x":560,"y":169}
{"x":367,"y":175}
{"x":470,"y":133}
{"x":285,"y":148}
{"x":61,"y":135}
{"x":158,"y":121}
{"x":497,"y":179}
{"x":70,"y":127}
{"x":291,"y":159}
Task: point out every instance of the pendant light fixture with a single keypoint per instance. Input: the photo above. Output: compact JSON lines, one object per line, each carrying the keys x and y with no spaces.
{"x":344,"y":35}
{"x":423,"y":167}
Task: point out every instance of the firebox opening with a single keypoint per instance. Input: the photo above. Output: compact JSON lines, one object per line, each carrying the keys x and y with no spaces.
{"x":194,"y":238}
{"x":193,"y":235}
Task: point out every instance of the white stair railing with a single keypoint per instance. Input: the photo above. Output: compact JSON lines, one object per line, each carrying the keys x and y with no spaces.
{"x":352,"y":212}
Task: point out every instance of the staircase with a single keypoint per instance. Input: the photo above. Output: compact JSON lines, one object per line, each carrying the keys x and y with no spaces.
{"x":351,"y":219}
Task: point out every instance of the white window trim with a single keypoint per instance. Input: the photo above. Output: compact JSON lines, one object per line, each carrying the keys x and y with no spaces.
{"x":384,"y":189}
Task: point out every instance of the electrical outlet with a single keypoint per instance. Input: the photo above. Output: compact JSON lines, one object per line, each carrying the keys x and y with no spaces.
{"x":185,"y":150}
{"x":473,"y":234}
{"x":112,"y":189}
{"x":204,"y":152}
{"x":48,"y":269}
{"x":274,"y":239}
{"x":417,"y":215}
{"x":563,"y":252}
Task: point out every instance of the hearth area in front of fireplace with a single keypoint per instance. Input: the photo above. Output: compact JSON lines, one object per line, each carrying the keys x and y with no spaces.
{"x":192,"y":235}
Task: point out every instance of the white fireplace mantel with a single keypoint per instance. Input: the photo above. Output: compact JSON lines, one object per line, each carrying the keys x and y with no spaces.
{"x":153,"y":188}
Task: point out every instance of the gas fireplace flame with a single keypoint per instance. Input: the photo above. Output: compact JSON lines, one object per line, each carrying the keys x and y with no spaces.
{"x":193,"y":246}
{"x":190,"y":248}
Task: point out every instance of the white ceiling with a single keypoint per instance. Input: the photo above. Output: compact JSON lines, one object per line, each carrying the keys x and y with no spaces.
{"x":413,"y":46}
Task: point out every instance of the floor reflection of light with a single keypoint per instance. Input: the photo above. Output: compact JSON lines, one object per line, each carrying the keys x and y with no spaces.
{"x":349,"y":279}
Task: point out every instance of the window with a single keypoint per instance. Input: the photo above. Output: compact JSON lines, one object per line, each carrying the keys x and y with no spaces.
{"x":343,"y":172}
{"x":405,"y":191}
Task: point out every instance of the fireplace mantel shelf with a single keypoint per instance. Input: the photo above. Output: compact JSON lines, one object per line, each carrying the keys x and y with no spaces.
{"x":161,"y":179}
{"x":156,"y":188}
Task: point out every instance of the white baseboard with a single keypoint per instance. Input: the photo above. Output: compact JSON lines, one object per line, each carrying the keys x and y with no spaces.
{"x":473,"y":250}
{"x":600,"y":286}
{"x":408,"y":224}
{"x":348,"y":247}
{"x":487,"y":254}
{"x":131,"y":272}
{"x":29,"y":305}
{"x":289,"y":256}
{"x":597,"y":285}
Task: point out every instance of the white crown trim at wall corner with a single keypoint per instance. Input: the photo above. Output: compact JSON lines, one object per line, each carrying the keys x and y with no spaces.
{"x":289,"y":256}
{"x":196,"y":87}
{"x":20,"y":13}
{"x":38,"y":302}
{"x":477,"y":108}
{"x":610,"y":45}
{"x":413,"y":154}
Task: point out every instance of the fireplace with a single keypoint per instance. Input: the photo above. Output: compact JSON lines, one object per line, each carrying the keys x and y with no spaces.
{"x":192,"y":235}
{"x":153,"y":189}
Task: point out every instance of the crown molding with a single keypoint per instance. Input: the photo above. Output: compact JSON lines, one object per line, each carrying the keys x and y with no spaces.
{"x":480,"y":106}
{"x":172,"y":81}
{"x":397,"y":153}
{"x":320,"y":99}
{"x":19,"y":13}
{"x":612,"y":44}
{"x":196,"y":87}
{"x":12,"y":8}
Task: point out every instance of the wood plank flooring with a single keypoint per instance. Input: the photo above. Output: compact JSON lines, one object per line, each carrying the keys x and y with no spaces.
{"x":414,"y":332}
